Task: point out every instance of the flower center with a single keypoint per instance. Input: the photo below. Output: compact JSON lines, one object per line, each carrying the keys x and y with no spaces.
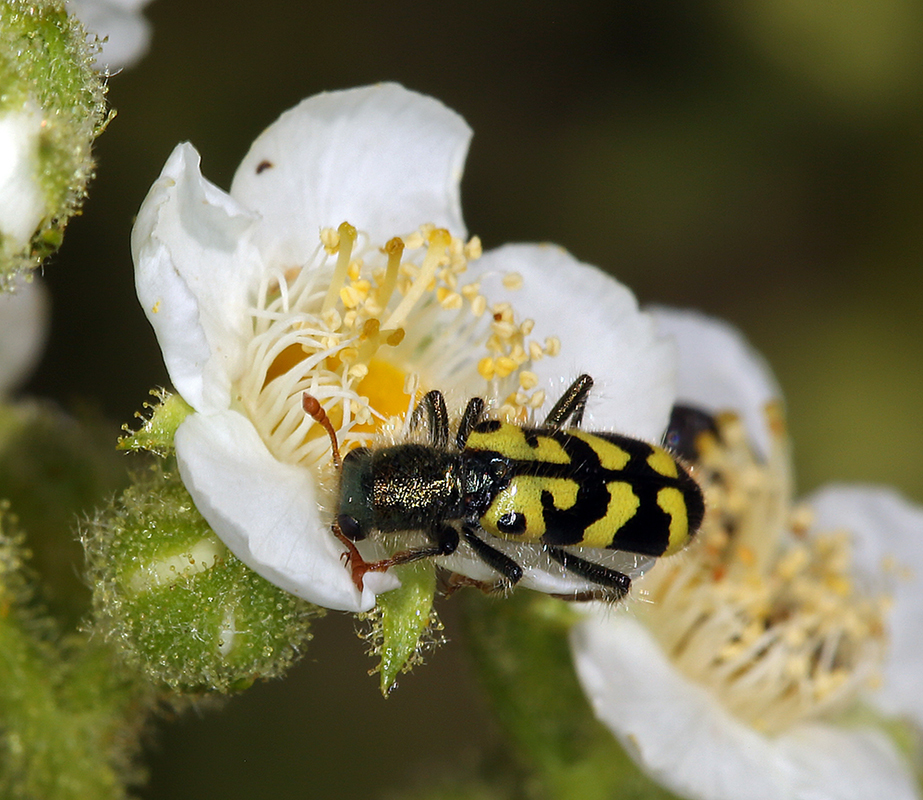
{"x":367,"y":328}
{"x":769,"y":618}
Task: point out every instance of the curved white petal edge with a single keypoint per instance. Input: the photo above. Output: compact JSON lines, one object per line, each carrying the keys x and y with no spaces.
{"x":887,"y":533}
{"x":266,"y":512}
{"x":603,"y":333}
{"x":199,"y":253}
{"x":381,"y":157}
{"x":194,"y":268}
{"x":719,"y":369}
{"x":683,"y":738}
{"x":386,"y":160}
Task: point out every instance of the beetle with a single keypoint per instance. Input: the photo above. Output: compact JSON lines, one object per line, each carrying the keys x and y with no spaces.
{"x":552,"y":486}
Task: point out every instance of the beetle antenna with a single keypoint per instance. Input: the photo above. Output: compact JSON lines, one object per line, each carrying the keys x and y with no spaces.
{"x":315,"y":410}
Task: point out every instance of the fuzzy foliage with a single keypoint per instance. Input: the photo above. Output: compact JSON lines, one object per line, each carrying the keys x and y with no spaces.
{"x":70,"y":715}
{"x":46,"y":62}
{"x":177,"y":603}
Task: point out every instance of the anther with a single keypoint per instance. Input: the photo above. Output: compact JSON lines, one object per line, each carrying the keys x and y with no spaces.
{"x":439,"y":240}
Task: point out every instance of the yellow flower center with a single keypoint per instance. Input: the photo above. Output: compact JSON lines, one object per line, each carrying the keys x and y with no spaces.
{"x":771,"y":619}
{"x":367,"y":328}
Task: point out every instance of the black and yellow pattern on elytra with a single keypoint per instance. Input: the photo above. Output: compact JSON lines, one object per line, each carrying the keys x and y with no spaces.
{"x":573,"y":488}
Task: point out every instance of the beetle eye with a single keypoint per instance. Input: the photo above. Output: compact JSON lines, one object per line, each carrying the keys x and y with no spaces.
{"x":350,"y":527}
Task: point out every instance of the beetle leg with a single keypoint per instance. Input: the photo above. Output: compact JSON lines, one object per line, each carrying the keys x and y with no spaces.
{"x":616,"y":582}
{"x":446,"y":543}
{"x":437,"y":418}
{"x":571,"y":405}
{"x":506,"y":566}
{"x":469,"y":419}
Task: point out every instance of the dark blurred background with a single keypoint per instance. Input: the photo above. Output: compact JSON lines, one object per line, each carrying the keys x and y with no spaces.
{"x":759,"y":161}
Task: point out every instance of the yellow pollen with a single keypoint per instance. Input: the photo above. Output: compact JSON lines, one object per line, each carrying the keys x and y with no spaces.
{"x":552,"y":346}
{"x":447,"y":298}
{"x":320,"y":326}
{"x":504,"y":366}
{"x":512,"y":281}
{"x":470,"y":291}
{"x":330,"y":239}
{"x":773,"y":623}
{"x":473,"y":250}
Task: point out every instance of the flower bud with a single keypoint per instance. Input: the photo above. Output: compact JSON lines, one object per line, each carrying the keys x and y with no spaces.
{"x":178,"y":603}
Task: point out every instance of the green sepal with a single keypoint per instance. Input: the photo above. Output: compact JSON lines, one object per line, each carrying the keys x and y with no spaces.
{"x":159,"y":427}
{"x":404,"y":624}
{"x":520,"y":649}
{"x":180,"y":605}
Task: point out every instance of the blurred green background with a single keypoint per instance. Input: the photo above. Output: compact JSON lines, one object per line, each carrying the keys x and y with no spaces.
{"x":761,"y":161}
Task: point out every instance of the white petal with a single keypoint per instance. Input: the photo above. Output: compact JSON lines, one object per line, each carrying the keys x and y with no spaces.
{"x":266,"y":512}
{"x":888,"y":540}
{"x":22,"y":201}
{"x":680,"y":735}
{"x":193,"y":271}
{"x":602,"y":333}
{"x":24,"y":321}
{"x":382,"y":158}
{"x":720,"y":371}
{"x":540,"y":572}
{"x":120,"y":23}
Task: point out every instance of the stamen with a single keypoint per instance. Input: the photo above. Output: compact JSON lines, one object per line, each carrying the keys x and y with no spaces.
{"x":438,"y":242}
{"x":320,"y":327}
{"x":347,"y":235}
{"x":395,"y":251}
{"x":778,"y":628}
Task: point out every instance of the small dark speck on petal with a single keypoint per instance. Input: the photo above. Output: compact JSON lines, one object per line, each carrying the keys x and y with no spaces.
{"x":263,"y":165}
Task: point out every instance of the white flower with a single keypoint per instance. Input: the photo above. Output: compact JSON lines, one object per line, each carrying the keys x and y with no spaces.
{"x":735,"y":680}
{"x":123,"y":31}
{"x":23,"y":330}
{"x":22,"y":200}
{"x":338,"y":265}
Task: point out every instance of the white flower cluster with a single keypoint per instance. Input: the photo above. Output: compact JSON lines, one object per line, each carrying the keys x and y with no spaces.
{"x":338,"y":264}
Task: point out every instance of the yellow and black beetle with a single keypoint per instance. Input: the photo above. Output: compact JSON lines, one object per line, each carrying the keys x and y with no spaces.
{"x":552,"y":486}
